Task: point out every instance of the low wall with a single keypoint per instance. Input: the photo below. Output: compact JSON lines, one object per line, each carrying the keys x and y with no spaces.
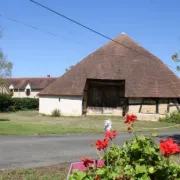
{"x":148,"y":117}
{"x":104,"y":111}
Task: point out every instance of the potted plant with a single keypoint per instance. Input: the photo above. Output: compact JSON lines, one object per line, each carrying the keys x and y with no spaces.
{"x":138,"y":159}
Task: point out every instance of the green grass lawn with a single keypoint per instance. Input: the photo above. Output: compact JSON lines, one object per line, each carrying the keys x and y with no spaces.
{"x":55,"y":172}
{"x":30,"y":123}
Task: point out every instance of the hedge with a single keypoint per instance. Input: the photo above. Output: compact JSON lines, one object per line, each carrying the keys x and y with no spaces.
{"x":25,"y":104}
{"x":7,"y":103}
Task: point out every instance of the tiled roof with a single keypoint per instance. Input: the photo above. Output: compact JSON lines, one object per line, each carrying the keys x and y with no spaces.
{"x":145,"y":75}
{"x":35,"y":83}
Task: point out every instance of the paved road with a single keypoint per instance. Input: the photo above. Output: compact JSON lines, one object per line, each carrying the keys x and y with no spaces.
{"x":36,"y":151}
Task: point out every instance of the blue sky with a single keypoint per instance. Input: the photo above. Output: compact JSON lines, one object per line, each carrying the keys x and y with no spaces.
{"x":153,"y":24}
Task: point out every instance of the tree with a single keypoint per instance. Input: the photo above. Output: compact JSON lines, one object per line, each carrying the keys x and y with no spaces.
{"x":176,"y":58}
{"x":5,"y":67}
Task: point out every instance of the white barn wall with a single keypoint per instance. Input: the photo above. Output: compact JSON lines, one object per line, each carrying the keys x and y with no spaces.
{"x":68,"y":105}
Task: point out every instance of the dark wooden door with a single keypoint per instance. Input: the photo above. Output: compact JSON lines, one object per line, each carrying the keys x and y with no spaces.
{"x":105,"y":96}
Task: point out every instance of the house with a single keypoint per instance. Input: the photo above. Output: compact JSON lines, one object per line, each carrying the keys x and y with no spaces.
{"x":3,"y":90}
{"x":114,"y":80}
{"x":27,"y":87}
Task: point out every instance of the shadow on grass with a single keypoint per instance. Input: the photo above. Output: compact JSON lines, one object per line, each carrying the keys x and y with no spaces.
{"x":175,"y":137}
{"x":4,"y":120}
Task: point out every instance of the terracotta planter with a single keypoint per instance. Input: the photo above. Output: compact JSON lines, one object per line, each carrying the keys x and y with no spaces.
{"x":80,"y":167}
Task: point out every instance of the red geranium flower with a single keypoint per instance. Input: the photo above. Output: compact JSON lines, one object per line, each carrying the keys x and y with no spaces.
{"x":87,"y":161}
{"x":130,"y":118}
{"x":133,"y":117}
{"x":111,"y":134}
{"x":102,"y":144}
{"x":169,"y":147}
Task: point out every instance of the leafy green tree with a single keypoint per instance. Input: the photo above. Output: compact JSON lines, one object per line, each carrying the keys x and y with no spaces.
{"x":5,"y":66}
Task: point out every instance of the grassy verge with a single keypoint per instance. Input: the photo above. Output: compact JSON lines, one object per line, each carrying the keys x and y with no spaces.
{"x":30,"y":123}
{"x":56,"y":172}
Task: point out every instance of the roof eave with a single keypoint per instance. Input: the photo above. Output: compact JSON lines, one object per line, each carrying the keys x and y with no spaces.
{"x":74,"y":95}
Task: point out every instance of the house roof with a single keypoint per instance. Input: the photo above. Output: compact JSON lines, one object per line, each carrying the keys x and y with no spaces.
{"x":145,"y":75}
{"x":35,"y":83}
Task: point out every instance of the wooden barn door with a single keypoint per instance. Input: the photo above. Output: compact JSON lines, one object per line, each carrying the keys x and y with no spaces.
{"x":109,"y":96}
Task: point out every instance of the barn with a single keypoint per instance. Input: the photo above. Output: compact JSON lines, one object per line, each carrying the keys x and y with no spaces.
{"x":117,"y":78}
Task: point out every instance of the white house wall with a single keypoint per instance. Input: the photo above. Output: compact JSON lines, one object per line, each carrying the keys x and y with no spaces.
{"x":22,"y":94}
{"x":68,"y":106}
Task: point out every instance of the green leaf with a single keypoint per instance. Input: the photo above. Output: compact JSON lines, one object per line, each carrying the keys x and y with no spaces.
{"x":144,"y":177}
{"x":113,"y":175}
{"x":77,"y":175}
{"x":101,"y":171}
{"x":140,"y":169}
{"x":135,"y":146}
{"x":151,"y":170}
{"x":141,"y":160}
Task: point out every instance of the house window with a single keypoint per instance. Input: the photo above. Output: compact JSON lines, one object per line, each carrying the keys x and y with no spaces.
{"x":11,"y":91}
{"x":28,"y":92}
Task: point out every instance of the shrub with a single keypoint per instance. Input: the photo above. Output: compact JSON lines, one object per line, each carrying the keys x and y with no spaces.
{"x":21,"y":104}
{"x":56,"y":113}
{"x":138,"y":159}
{"x":11,"y":109}
{"x":172,"y":118}
{"x":5,"y":102}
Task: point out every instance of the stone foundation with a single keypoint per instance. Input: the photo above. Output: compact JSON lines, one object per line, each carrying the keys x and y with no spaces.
{"x":144,"y":110}
{"x":104,"y":111}
{"x":148,"y":117}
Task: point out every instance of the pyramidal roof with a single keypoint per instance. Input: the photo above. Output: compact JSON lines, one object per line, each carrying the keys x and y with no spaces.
{"x":145,"y":75}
